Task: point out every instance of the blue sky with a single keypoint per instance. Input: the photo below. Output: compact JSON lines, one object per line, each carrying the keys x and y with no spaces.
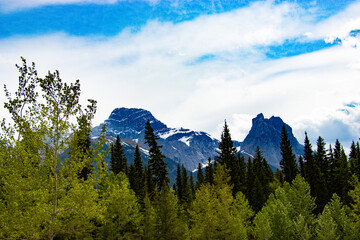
{"x":196,"y":63}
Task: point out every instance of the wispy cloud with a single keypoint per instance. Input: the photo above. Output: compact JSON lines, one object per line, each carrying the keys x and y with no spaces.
{"x":197,"y":73}
{"x":15,"y":5}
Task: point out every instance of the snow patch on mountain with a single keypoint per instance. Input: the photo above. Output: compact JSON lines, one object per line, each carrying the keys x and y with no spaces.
{"x":185,"y":140}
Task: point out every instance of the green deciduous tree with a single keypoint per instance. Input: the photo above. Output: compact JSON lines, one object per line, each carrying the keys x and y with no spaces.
{"x":39,"y":180}
{"x":215,"y":214}
{"x":335,"y":222}
{"x":287,"y":214}
{"x":122,"y":218}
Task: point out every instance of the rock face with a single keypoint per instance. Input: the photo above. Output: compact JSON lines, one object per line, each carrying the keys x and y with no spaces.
{"x":183,"y":146}
{"x":266,"y":133}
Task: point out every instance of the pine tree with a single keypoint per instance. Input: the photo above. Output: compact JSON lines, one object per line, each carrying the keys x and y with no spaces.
{"x":341,"y":173}
{"x":157,"y":165}
{"x":200,"y":177}
{"x":139,"y":179}
{"x":258,"y":182}
{"x":227,"y":150}
{"x":354,"y":159}
{"x":288,"y":161}
{"x":312,"y":174}
{"x":228,"y":158}
{"x":118,"y":161}
{"x":186,"y":189}
{"x":209,"y":172}
{"x":321,"y":160}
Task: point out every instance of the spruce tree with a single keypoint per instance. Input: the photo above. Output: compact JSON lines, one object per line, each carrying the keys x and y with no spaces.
{"x":313,"y":176}
{"x":354,"y":159}
{"x":186,"y":189}
{"x":227,"y":150}
{"x":200,"y":177}
{"x":178,"y":183}
{"x":157,"y":165}
{"x":118,"y":161}
{"x":288,"y":160}
{"x":341,"y":176}
{"x":209,"y":172}
{"x":320,"y":158}
{"x":139,"y":179}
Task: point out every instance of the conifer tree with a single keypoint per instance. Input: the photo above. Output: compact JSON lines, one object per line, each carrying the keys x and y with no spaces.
{"x":139,"y":183}
{"x":118,"y":161}
{"x":354,"y":159}
{"x":227,"y":150}
{"x":238,"y":175}
{"x":258,"y":182}
{"x":321,"y":160}
{"x":312,"y":174}
{"x":178,"y":183}
{"x":186,"y":189}
{"x":157,"y":165}
{"x":288,"y":161}
{"x":200,"y":177}
{"x":209,"y":172}
{"x":192,"y":186}
{"x":341,"y":173}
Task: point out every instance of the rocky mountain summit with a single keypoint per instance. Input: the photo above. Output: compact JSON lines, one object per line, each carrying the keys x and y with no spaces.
{"x":183,"y":146}
{"x":266,"y":133}
{"x":190,"y":147}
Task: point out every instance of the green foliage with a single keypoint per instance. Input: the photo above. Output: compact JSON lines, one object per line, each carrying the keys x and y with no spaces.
{"x":122,"y":218}
{"x":55,"y":184}
{"x":215,"y":214}
{"x":335,"y":222}
{"x":168,"y":223}
{"x":355,"y":203}
{"x":287,"y":214}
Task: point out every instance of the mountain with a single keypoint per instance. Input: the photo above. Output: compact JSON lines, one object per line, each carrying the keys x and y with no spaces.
{"x":266,"y":133}
{"x":188,"y":147}
{"x":181,"y":145}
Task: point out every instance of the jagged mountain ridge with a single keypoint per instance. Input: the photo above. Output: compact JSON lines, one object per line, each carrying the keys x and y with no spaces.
{"x":190,"y":147}
{"x":266,"y":133}
{"x":183,"y":146}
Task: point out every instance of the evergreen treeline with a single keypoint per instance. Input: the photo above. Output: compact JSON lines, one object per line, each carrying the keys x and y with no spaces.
{"x":54,"y":184}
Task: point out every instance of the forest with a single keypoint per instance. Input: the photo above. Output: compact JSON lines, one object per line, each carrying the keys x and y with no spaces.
{"x":56,"y":184}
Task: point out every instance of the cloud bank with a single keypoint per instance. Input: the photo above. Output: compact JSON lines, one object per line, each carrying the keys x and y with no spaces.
{"x":197,"y":73}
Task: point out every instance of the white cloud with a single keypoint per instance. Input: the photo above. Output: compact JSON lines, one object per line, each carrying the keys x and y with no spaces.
{"x":15,"y":5}
{"x":156,"y":68}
